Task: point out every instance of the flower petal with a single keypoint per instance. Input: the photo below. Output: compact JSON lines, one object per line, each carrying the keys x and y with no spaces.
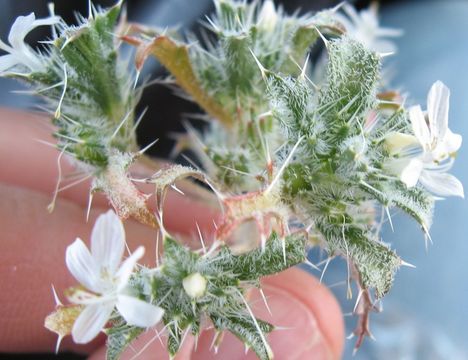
{"x":91,"y":321}
{"x":51,"y":20}
{"x":437,"y":109}
{"x":452,"y":141}
{"x":442,"y":184}
{"x":108,"y":241}
{"x":7,"y":62}
{"x":396,"y":142}
{"x":410,"y":174}
{"x":419,"y":125}
{"x":83,"y":266}
{"x":126,"y":269}
{"x":137,"y":312}
{"x":20,"y":28}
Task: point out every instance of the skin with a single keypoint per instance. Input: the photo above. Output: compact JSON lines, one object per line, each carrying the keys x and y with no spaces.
{"x":33,"y":243}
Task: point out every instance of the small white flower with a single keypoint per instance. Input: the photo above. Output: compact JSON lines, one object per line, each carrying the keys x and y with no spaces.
{"x":99,"y":272}
{"x":438,"y":144}
{"x":19,"y":53}
{"x":194,"y":285}
{"x":364,"y":27}
{"x":432,"y":130}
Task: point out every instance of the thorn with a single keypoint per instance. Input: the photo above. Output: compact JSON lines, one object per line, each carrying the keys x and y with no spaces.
{"x":201,"y":238}
{"x":384,"y":55}
{"x":389,"y":218}
{"x":338,"y":7}
{"x":65,"y":83}
{"x":196,"y":343}
{"x":51,"y":206}
{"x":137,"y":77}
{"x":46,"y":143}
{"x":56,"y":298}
{"x":260,"y":66}
{"x":404,"y":263}
{"x":215,"y":27}
{"x":74,"y":183}
{"x":138,"y":121}
{"x":325,"y":41}
{"x":304,"y":68}
{"x":124,"y":120}
{"x":158,"y":234}
{"x":147,"y":147}
{"x":90,"y":10}
{"x":315,"y":267}
{"x":90,"y":201}
{"x":427,"y":237}
{"x":283,"y":166}
{"x":325,"y":268}
{"x":361,"y":291}
{"x":177,"y":189}
{"x":283,"y":246}
{"x":265,"y":301}
{"x":263,"y":242}
{"x":350,"y":336}
{"x":59,"y":341}
{"x":259,"y":330}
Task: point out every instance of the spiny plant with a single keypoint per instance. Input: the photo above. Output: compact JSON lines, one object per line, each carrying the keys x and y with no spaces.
{"x":312,"y":154}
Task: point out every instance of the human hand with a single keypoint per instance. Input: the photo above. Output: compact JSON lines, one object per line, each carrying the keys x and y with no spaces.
{"x":32,"y":252}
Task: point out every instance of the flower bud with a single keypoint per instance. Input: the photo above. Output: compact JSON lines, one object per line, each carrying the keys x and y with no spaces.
{"x":194,"y":285}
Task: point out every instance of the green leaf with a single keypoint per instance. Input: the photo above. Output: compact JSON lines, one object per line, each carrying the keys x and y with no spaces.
{"x":375,"y":261}
{"x":415,"y":201}
{"x":91,"y":57}
{"x":291,"y":99}
{"x":174,"y":338}
{"x":279,"y":254}
{"x":352,"y":78}
{"x":246,"y":330}
{"x":118,"y":338}
{"x":240,"y":64}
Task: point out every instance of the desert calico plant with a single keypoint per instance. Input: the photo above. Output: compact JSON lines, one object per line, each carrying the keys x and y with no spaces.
{"x":311,"y":153}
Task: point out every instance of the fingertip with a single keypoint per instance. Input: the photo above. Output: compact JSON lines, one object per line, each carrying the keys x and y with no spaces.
{"x":319,"y":300}
{"x":307,"y":317}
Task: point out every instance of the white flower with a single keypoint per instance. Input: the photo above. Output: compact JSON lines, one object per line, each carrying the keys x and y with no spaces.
{"x":432,"y":131}
{"x":438,"y":144}
{"x":364,"y":27}
{"x":19,"y":53}
{"x":99,"y":272}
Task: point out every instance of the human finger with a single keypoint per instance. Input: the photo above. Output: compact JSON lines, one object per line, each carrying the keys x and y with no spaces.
{"x":28,"y":163}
